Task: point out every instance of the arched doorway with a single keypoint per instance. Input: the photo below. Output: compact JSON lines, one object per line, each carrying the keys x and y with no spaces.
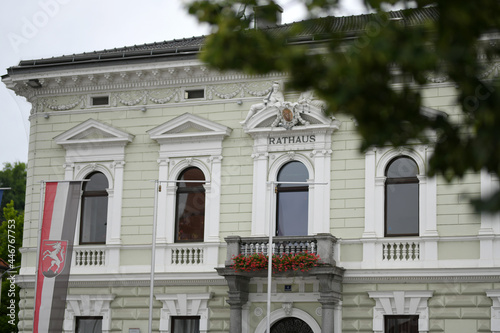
{"x":291,"y":325}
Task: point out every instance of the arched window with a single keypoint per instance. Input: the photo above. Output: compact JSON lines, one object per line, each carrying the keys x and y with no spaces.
{"x":94,"y":209}
{"x":190,"y":206}
{"x":401,"y":198}
{"x":292,"y":200}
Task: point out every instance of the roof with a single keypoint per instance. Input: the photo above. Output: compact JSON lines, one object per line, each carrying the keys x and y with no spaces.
{"x":4,"y":265}
{"x":188,"y":48}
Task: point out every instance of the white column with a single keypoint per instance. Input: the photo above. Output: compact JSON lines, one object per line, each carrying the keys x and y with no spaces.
{"x":495,"y":310}
{"x":68,"y":171}
{"x":489,"y":223}
{"x":115,"y":213}
{"x":169,"y":221}
{"x":161,"y":232}
{"x":212,"y":204}
{"x":369,"y":195}
{"x":260,"y":202}
{"x":320,"y":214}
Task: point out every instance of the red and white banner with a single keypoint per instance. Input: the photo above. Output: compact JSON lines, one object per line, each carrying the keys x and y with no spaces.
{"x":60,"y":213}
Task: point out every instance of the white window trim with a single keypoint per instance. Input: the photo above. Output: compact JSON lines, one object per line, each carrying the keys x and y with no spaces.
{"x":184,"y":305}
{"x":376,"y":162}
{"x":275,"y":167}
{"x":495,"y":310}
{"x":271,"y":150}
{"x":87,"y":305}
{"x":490,"y":224}
{"x":106,"y":154}
{"x":167,"y":230}
{"x":400,"y":303}
{"x":201,"y":148}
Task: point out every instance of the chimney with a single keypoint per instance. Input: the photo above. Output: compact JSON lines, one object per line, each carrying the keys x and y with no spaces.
{"x":267,"y":16}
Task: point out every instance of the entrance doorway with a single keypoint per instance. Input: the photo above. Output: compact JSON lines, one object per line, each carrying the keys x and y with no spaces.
{"x":291,"y":325}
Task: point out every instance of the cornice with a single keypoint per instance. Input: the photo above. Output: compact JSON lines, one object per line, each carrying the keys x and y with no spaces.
{"x":146,"y":76}
{"x":131,"y":280}
{"x":387,"y":276}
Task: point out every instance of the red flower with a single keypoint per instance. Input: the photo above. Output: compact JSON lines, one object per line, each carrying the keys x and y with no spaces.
{"x":302,"y":261}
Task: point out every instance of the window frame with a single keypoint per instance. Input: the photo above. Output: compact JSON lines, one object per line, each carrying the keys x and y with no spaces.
{"x":400,"y":181}
{"x":78,"y":318}
{"x":93,"y":194}
{"x":296,"y":188}
{"x":174,"y":318}
{"x":410,"y":317}
{"x":187,"y":189}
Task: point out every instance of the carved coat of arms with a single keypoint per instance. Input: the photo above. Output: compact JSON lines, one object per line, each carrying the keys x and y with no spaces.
{"x":288,"y":114}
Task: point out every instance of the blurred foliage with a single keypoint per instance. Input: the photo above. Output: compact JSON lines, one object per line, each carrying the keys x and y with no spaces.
{"x":353,"y":71}
{"x":14,"y":176}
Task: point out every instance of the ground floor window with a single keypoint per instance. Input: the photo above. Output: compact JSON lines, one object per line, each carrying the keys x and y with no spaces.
{"x":88,"y":324}
{"x":186,"y":324}
{"x":401,"y":324}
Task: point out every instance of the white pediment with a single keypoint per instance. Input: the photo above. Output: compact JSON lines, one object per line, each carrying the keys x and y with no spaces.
{"x":304,"y":117}
{"x":94,"y":141}
{"x":188,"y":127}
{"x":91,"y":132}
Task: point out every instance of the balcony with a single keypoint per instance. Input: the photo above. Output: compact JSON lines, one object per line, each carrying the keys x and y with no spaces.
{"x":326,"y":273}
{"x":321,"y":244}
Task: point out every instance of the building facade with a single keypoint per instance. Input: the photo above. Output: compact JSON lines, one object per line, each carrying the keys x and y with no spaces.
{"x":219,"y":161}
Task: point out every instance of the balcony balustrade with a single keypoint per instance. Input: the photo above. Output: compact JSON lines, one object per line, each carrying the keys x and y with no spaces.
{"x":321,"y":244}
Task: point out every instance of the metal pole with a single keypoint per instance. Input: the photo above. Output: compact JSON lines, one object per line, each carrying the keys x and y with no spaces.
{"x":270,"y":257}
{"x":153,"y":242}
{"x":153,"y":253}
{"x":272,"y":219}
{"x":40,"y":216}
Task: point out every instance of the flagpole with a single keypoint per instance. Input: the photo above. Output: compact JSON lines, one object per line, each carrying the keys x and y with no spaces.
{"x":40,"y":216}
{"x":153,"y":255}
{"x":270,"y":256}
{"x":272,"y":230}
{"x":153,"y":245}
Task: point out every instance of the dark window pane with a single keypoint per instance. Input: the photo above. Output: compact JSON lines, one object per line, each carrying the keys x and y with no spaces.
{"x":94,"y":217}
{"x":402,"y":167}
{"x":292,"y":213}
{"x":185,"y":324}
{"x":101,"y":100}
{"x":402,"y":198}
{"x":191,"y":174}
{"x":293,"y":172}
{"x":402,"y":209}
{"x":88,"y":324}
{"x":292,"y":200}
{"x":94,"y":209}
{"x":401,"y":324}
{"x":197,"y":93}
{"x":190,"y":207}
{"x":97,"y":182}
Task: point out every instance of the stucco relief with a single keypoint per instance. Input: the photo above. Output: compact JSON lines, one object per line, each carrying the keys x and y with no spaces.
{"x":287,"y":114}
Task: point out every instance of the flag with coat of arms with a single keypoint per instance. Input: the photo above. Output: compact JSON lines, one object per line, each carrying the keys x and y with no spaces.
{"x":57,"y":232}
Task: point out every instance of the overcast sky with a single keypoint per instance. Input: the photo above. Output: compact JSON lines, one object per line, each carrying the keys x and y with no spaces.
{"x":33,"y":29}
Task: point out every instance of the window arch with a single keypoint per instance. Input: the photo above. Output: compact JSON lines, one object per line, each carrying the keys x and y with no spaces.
{"x":190,"y":206}
{"x":402,"y":198}
{"x":94,"y":210}
{"x":292,"y":200}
